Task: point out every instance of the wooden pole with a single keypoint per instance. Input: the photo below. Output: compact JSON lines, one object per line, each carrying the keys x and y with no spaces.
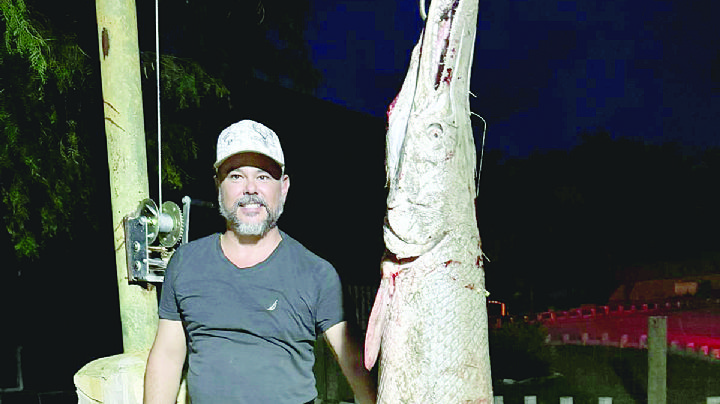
{"x":127,"y":159}
{"x":657,"y":360}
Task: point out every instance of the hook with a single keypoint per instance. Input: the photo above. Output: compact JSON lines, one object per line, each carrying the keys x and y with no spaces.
{"x":423,"y":11}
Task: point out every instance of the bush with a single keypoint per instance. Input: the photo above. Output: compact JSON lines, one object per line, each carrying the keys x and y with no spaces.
{"x":518,"y":351}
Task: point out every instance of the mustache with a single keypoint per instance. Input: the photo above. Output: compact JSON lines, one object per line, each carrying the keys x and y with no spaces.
{"x":250,"y":199}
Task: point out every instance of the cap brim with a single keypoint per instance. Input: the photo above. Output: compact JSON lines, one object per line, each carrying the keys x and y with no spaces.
{"x":252,"y":159}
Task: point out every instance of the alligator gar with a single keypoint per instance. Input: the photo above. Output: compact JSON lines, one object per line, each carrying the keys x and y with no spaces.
{"x":429,"y":322}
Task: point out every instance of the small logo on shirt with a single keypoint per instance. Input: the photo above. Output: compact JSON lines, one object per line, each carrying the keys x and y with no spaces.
{"x":273,"y":306}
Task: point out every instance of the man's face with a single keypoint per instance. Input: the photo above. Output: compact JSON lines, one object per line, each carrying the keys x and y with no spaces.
{"x":250,"y":199}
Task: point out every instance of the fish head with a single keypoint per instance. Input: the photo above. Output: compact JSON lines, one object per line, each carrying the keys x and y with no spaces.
{"x":419,"y":202}
{"x":430,"y":152}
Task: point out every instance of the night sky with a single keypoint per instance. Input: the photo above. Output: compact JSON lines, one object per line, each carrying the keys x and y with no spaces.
{"x":544,"y":74}
{"x":544,"y":71}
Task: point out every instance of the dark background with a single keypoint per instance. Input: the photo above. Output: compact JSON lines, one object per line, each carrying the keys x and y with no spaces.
{"x":600,"y":165}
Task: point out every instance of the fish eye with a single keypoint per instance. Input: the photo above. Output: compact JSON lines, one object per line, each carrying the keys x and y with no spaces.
{"x":435,"y":130}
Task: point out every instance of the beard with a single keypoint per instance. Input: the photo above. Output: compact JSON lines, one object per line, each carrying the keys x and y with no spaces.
{"x":241,"y":228}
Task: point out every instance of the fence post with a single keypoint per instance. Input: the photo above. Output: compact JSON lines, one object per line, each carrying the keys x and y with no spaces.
{"x":657,"y":359}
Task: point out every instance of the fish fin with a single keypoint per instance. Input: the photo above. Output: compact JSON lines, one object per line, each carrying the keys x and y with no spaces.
{"x":376,"y":324}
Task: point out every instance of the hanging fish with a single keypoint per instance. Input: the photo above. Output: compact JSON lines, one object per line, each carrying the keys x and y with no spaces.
{"x":429,"y":321}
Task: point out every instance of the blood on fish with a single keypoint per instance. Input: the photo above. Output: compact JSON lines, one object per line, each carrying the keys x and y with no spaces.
{"x":448,"y":77}
{"x":438,"y":78}
{"x":444,"y":38}
{"x":449,"y":13}
{"x":393,"y":276}
{"x":444,"y":35}
{"x":392,"y":106}
{"x":448,"y":262}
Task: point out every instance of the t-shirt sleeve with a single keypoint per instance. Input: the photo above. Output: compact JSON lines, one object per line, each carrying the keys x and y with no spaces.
{"x":329,"y":306}
{"x":168,"y":308}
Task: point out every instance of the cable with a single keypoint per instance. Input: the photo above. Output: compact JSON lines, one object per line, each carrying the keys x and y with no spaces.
{"x":157,"y":82}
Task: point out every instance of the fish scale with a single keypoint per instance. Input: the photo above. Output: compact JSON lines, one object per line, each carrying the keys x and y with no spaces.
{"x":430,"y":353}
{"x":428,"y":327}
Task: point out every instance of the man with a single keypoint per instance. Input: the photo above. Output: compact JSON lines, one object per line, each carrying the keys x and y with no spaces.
{"x":247,"y":305}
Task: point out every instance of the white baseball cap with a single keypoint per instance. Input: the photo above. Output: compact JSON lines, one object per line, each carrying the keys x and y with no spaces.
{"x":249,"y":137}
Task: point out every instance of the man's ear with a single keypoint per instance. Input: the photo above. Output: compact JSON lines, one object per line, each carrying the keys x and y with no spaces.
{"x":217,"y":180}
{"x":285,"y":184}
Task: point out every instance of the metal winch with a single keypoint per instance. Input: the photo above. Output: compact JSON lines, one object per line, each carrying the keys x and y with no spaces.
{"x":151,"y":237}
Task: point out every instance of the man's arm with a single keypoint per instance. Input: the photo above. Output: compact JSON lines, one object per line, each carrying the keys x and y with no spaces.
{"x":349,"y":356}
{"x":165,"y":363}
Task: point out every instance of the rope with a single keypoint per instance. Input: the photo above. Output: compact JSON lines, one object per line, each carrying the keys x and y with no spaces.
{"x":157,"y":82}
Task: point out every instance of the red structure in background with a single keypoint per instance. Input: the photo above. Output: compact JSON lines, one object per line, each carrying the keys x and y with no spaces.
{"x":693,"y":325}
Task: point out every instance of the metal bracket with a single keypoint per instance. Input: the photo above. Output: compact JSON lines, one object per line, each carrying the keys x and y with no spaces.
{"x":143,"y":262}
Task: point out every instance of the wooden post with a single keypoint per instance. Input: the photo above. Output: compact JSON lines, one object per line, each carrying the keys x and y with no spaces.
{"x":127,"y":159}
{"x":657,"y":360}
{"x":119,"y":379}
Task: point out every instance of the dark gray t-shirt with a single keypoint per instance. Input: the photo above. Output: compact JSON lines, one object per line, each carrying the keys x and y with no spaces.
{"x":251,"y":331}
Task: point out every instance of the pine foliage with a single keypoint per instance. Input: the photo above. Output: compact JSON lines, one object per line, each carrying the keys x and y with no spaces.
{"x":52,"y":147}
{"x":44,"y":175}
{"x":22,"y":37}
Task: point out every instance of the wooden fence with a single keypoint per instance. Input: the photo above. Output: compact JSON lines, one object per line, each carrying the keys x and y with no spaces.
{"x":569,"y":400}
{"x":530,"y":400}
